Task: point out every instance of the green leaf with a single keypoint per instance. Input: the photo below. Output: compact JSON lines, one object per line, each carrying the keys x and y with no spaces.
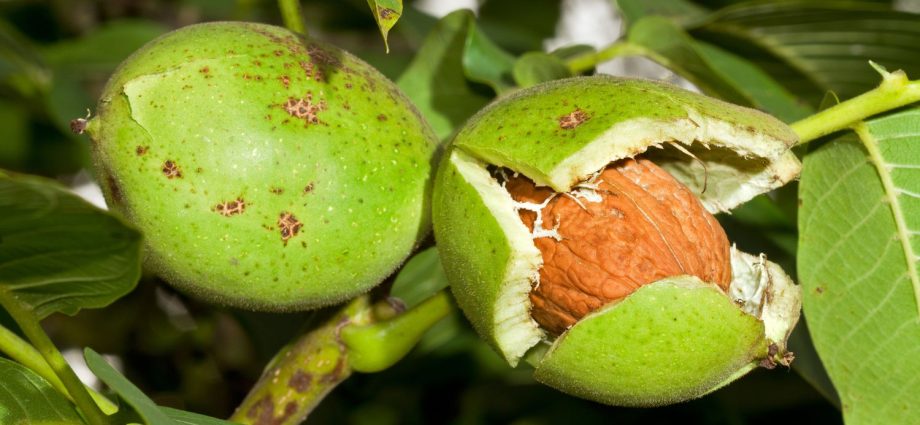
{"x":421,"y":277}
{"x":58,"y":253}
{"x":858,"y":253}
{"x":815,"y":47}
{"x":681,"y":12}
{"x":537,"y":67}
{"x":27,"y":399}
{"x":575,"y":50}
{"x":765,"y":93}
{"x":485,"y":62}
{"x":386,"y":13}
{"x":188,"y":418}
{"x":102,"y":50}
{"x":435,"y":80}
{"x":143,"y":405}
{"x":715,"y":71}
{"x":674,"y":49}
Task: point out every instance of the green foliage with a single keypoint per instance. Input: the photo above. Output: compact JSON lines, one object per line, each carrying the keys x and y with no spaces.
{"x":858,"y":248}
{"x":27,"y":399}
{"x":436,"y":80}
{"x":58,"y":253}
{"x":145,"y":408}
{"x":814,"y":47}
{"x":858,"y":227}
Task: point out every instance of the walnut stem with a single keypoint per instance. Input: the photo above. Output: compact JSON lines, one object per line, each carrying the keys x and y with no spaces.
{"x":292,"y":16}
{"x":353,"y":339}
{"x":894,"y":91}
{"x":28,"y":322}
{"x":302,"y":373}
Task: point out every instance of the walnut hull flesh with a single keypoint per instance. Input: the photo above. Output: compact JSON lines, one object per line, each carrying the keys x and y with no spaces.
{"x":645,"y":226}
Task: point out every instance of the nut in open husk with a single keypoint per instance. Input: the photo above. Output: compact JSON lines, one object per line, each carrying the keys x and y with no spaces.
{"x":574,"y":221}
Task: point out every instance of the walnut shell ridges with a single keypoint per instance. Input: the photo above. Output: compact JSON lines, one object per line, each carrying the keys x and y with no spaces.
{"x":646,"y":226}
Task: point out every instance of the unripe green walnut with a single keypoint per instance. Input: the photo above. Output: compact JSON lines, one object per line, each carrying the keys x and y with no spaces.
{"x":267,"y":171}
{"x":703,"y":315}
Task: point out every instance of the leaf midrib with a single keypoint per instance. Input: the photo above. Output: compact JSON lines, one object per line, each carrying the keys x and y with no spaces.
{"x":891,"y":194}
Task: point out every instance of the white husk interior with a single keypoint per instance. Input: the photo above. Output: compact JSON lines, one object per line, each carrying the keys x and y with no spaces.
{"x":515,"y":331}
{"x":745,"y":164}
{"x":765,"y":291}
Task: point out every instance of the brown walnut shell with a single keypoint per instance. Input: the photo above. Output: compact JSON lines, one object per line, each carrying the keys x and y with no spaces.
{"x":646,"y":226}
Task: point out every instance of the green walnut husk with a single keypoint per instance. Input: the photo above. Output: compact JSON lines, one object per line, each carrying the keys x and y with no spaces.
{"x":671,"y":340}
{"x":267,"y":170}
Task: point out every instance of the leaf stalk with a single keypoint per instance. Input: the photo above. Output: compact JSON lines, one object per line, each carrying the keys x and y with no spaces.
{"x":31,"y":327}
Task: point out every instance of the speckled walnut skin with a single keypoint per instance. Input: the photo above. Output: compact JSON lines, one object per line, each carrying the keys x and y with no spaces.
{"x":257,"y":166}
{"x":647,"y":226}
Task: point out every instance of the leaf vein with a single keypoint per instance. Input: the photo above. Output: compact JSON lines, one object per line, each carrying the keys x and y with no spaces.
{"x":875,"y":156}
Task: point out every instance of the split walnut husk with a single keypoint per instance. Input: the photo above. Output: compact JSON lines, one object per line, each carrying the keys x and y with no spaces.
{"x":676,"y":338}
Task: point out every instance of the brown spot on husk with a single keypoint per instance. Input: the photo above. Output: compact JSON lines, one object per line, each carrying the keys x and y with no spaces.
{"x":312,"y":71}
{"x":573,"y":119}
{"x":276,"y":190}
{"x":289,"y":226}
{"x":308,"y":188}
{"x":141,"y":150}
{"x":305,"y":109}
{"x":229,"y":208}
{"x":171,"y":170}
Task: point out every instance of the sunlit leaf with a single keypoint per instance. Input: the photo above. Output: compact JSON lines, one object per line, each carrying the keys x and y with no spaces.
{"x":143,"y":405}
{"x":435,"y":80}
{"x":386,"y":13}
{"x":26,"y":399}
{"x":814,"y":47}
{"x":58,"y":253}
{"x":858,"y":259}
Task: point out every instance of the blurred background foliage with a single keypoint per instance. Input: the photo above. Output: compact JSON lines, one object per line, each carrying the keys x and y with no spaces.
{"x":783,"y":57}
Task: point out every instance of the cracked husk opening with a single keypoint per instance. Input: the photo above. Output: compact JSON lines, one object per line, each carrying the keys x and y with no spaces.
{"x":714,"y":162}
